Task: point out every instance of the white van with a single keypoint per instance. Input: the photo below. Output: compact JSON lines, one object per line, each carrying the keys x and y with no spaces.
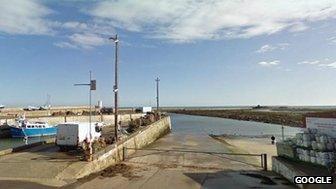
{"x":72,"y":135}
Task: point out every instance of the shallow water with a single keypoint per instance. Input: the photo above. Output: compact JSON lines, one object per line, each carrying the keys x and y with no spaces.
{"x":14,"y":142}
{"x":190,"y":124}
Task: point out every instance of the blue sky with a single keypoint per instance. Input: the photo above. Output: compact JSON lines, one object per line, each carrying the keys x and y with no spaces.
{"x":205,"y":52}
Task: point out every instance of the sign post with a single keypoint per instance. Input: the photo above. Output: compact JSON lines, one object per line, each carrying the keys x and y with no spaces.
{"x":92,"y":87}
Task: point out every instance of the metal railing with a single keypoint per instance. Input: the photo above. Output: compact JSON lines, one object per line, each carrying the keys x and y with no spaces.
{"x":263,"y":157}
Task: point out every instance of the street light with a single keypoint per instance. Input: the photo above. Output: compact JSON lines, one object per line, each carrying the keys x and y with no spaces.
{"x":92,"y":87}
{"x":115,"y":87}
{"x":157,"y":94}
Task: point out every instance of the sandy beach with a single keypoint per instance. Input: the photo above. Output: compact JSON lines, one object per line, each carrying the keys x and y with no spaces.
{"x":251,"y":145}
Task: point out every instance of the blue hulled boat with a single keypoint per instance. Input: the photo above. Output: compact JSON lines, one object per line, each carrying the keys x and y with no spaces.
{"x":24,"y":128}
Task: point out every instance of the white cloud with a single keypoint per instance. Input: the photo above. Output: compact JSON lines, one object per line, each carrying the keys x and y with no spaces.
{"x":85,"y":35}
{"x":188,"y":20}
{"x":94,"y":27}
{"x":332,"y":65}
{"x":30,"y":18}
{"x":332,"y":39}
{"x":329,"y":65}
{"x":24,"y":17}
{"x":314,"y":62}
{"x":87,"y":40}
{"x":268,"y":47}
{"x":270,"y":63}
{"x":325,"y":63}
{"x":65,"y":45}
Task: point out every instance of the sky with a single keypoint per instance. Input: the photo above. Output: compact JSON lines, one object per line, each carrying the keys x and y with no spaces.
{"x":206,"y":52}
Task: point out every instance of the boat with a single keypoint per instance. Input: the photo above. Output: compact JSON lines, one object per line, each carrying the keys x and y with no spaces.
{"x":23,"y":128}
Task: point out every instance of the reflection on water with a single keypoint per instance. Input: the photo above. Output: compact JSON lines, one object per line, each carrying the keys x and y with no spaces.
{"x":212,"y":125}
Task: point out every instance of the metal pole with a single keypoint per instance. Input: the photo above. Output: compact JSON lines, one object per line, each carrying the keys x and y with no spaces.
{"x":157,"y":94}
{"x":116,"y":88}
{"x":90,"y":102}
{"x":282,"y":132}
{"x":90,"y":120}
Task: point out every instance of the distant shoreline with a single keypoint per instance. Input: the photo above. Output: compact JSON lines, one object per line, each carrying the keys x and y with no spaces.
{"x":286,"y":117}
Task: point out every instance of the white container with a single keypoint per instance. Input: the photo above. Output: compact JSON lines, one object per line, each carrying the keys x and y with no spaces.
{"x":100,"y":104}
{"x":146,"y":109}
{"x":74,"y":134}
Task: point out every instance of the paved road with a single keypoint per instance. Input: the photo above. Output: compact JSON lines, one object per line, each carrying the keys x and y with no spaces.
{"x":187,"y":170}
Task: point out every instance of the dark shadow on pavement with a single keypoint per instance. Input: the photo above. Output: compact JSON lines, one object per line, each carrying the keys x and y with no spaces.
{"x":240,"y":179}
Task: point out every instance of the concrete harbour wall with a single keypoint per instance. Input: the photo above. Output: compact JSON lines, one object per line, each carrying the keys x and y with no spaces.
{"x":114,"y":153}
{"x":286,"y":170}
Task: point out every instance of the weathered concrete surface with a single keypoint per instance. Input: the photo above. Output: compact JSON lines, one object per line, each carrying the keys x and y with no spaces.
{"x":39,"y":164}
{"x":46,"y":165}
{"x":289,"y":169}
{"x":162,"y":170}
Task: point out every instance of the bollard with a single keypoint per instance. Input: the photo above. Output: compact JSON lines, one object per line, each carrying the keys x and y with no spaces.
{"x":124,"y":153}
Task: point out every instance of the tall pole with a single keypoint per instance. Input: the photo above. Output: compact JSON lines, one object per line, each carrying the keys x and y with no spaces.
{"x":92,"y":86}
{"x":90,"y":119}
{"x":115,"y":88}
{"x":90,"y":102}
{"x":157,"y":94}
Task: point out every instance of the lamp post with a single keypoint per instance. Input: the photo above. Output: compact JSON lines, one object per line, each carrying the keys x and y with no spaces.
{"x":115,"y":87}
{"x":157,"y":94}
{"x":92,"y":87}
